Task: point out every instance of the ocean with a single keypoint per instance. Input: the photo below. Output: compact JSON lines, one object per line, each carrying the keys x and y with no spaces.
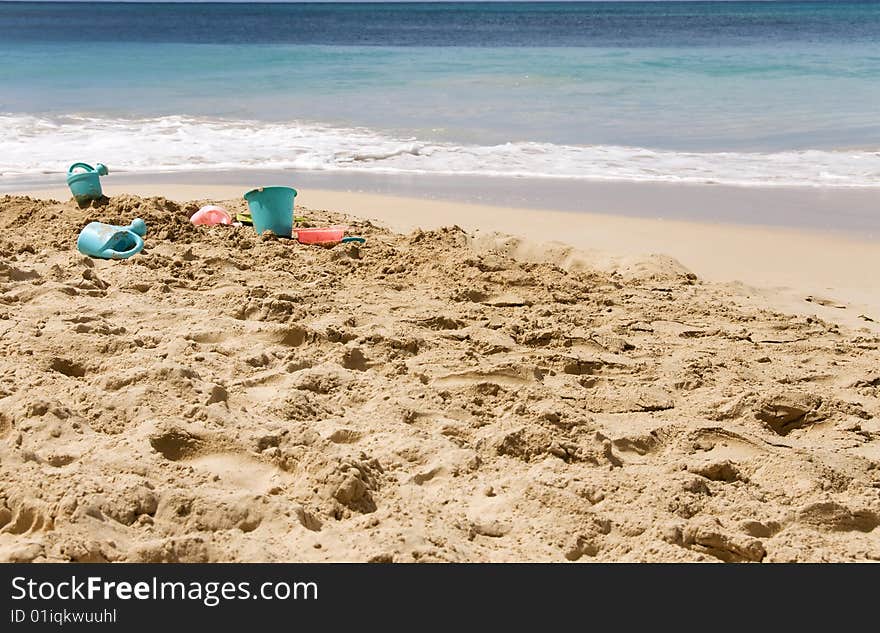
{"x":742,"y":93}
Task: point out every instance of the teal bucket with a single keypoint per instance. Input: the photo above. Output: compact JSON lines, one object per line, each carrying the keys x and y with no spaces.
{"x":86,"y":185}
{"x":272,"y":209}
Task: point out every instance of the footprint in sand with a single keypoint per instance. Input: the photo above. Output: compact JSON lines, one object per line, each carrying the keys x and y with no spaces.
{"x":177,"y":444}
{"x":345,"y":436}
{"x":239,"y":471}
{"x":502,"y":378}
{"x":69,"y":368}
{"x":6,"y":425}
{"x":235,"y":470}
{"x":716,"y":443}
{"x":24,"y":516}
{"x":828,"y":303}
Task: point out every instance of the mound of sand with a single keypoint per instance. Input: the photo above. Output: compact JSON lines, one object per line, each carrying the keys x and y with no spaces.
{"x":422,"y":397}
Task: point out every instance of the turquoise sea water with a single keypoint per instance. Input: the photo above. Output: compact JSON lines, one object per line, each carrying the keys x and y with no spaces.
{"x":737,"y":92}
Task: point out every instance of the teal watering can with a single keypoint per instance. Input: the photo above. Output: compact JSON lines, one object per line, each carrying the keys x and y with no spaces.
{"x":272,"y":209}
{"x":106,"y":241}
{"x":86,"y":185}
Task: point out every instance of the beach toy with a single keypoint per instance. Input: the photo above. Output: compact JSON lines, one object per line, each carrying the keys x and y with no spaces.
{"x":272,"y":209}
{"x":85,"y":185}
{"x":245,"y":218}
{"x":211,"y":214}
{"x":106,"y":241}
{"x":326,"y":235}
{"x":352,"y":238}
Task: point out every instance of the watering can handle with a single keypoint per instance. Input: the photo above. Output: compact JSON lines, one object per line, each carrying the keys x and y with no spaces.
{"x":109,"y":253}
{"x":85,"y":166}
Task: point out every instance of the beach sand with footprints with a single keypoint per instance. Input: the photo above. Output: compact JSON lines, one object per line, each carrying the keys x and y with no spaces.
{"x":434,"y":395}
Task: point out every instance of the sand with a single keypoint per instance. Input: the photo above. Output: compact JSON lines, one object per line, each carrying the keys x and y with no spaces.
{"x":446,"y":394}
{"x":831,"y":274}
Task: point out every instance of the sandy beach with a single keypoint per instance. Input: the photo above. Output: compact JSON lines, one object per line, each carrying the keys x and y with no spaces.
{"x":822,"y":272}
{"x":473,"y":383}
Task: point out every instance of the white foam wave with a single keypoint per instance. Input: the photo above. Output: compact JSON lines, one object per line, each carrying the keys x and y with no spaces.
{"x":33,"y":145}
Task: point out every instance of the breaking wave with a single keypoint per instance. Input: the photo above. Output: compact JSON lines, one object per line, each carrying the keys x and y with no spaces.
{"x":39,"y":145}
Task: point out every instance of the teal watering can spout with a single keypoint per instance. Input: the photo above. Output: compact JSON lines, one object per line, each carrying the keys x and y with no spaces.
{"x":106,"y":241}
{"x":85,"y":184}
{"x":138,"y":226}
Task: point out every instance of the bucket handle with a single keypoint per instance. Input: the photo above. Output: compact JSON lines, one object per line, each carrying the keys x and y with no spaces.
{"x":109,"y":253}
{"x":84,"y":166}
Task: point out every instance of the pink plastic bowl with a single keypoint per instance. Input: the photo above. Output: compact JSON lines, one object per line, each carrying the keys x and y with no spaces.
{"x":210,"y":215}
{"x":328,"y":235}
